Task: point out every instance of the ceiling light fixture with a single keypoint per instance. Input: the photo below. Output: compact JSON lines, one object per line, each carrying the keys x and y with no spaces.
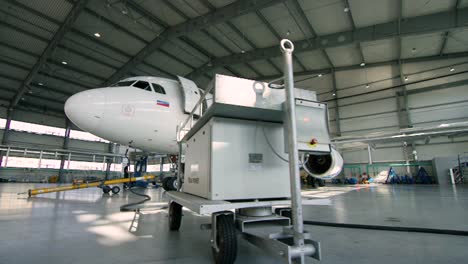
{"x":334,"y":94}
{"x":452,"y":69}
{"x":367,"y":85}
{"x":320,"y":75}
{"x":40,"y":84}
{"x":406,"y":78}
{"x":346,"y":9}
{"x":64,"y":62}
{"x":97,"y":35}
{"x":362,"y":64}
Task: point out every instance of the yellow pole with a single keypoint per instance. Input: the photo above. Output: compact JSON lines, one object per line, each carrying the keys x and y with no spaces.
{"x":87,"y":185}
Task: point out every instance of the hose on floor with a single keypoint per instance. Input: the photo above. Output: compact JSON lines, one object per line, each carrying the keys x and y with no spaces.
{"x":391,"y":228}
{"x":128,"y":207}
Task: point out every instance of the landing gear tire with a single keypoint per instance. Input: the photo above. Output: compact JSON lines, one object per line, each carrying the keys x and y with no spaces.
{"x":106,"y":189}
{"x":170,"y":183}
{"x":164,"y":183}
{"x":226,"y":240}
{"x":115,"y":189}
{"x":175,"y":216}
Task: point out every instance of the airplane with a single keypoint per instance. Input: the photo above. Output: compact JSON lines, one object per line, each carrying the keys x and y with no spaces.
{"x":142,"y":112}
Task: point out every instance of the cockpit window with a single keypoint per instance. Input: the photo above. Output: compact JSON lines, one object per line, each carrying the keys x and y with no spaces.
{"x":123,"y":83}
{"x":158,"y":88}
{"x":143,"y":85}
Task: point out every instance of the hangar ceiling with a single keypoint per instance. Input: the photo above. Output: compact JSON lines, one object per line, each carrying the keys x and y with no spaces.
{"x":51,"y":50}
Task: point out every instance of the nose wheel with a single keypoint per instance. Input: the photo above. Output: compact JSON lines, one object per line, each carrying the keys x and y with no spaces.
{"x":169,"y":183}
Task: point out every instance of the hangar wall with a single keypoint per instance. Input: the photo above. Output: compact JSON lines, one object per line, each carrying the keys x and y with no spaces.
{"x":375,"y":109}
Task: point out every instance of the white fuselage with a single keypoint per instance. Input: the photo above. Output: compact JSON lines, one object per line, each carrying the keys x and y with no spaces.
{"x":128,"y":115}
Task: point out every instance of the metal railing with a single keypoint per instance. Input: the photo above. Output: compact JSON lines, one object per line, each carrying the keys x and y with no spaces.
{"x":190,"y":119}
{"x":57,"y":154}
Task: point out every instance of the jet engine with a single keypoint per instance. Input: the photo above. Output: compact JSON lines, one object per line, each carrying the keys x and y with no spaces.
{"x":325,"y":165}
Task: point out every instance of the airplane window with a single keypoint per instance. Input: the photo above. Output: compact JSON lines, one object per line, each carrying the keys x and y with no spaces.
{"x":123,"y":83}
{"x":143,"y":85}
{"x":158,"y":88}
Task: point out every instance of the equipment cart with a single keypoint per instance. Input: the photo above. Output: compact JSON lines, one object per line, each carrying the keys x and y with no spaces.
{"x":237,"y":168}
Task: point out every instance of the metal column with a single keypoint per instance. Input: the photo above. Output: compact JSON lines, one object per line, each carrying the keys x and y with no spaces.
{"x":6,"y":131}
{"x":369,"y":152}
{"x":66,"y":142}
{"x":337,"y":107}
{"x":111,"y":149}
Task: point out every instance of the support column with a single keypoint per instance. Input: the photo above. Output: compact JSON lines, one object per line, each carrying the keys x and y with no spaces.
{"x":404,"y":118}
{"x":337,"y":108}
{"x":111,"y":149}
{"x":66,"y":142}
{"x":6,"y":131}
{"x":369,"y":153}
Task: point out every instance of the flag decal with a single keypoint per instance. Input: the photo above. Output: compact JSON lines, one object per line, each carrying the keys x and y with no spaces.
{"x":162,"y":103}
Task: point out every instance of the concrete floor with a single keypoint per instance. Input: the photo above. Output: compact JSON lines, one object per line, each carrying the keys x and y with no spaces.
{"x":85,"y":226}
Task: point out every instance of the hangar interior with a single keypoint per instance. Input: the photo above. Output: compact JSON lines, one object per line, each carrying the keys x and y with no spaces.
{"x":385,"y":69}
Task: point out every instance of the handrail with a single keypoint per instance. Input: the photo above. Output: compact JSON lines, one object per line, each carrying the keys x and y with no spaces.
{"x":190,"y":117}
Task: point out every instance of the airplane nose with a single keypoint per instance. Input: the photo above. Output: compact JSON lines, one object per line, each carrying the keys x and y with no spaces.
{"x":86,"y":109}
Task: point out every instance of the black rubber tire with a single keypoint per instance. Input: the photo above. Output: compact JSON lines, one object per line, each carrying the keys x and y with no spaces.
{"x":115,"y":189}
{"x":164,"y":183}
{"x":170,"y":184}
{"x":106,"y":189}
{"x":226,"y":239}
{"x":175,"y":216}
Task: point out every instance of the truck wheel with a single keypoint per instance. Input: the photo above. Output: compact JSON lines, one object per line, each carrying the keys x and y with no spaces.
{"x":226,"y":240}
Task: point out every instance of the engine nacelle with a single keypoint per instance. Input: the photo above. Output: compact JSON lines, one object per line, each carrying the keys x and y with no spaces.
{"x":323,"y":165}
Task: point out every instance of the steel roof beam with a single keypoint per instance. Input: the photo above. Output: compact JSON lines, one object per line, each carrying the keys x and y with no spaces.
{"x":33,"y":96}
{"x":324,"y":71}
{"x":294,"y":4}
{"x":64,"y":28}
{"x":208,"y":5}
{"x":447,"y":33}
{"x":353,"y":26}
{"x":206,"y":32}
{"x":436,"y":22}
{"x":278,"y":37}
{"x":186,"y":17}
{"x":223,"y":14}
